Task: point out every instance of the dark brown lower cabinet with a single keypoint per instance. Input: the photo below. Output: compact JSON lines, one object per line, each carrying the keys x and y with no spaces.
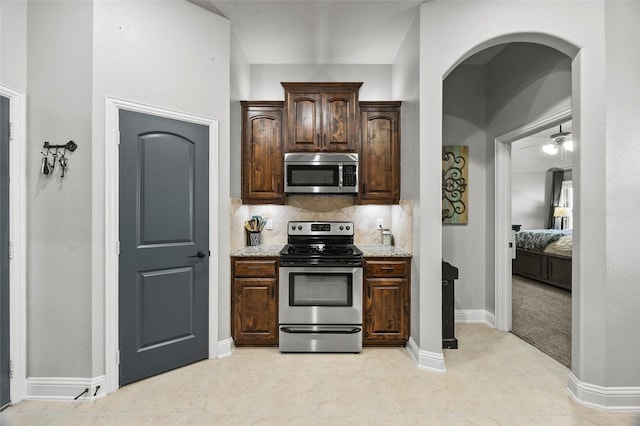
{"x":386,"y":301}
{"x":254,"y":301}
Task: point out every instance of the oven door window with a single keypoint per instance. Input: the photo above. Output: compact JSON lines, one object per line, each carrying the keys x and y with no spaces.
{"x":321,"y":289}
{"x":312,"y":175}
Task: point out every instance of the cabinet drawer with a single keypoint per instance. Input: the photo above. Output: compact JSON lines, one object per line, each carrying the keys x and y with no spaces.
{"x":386,"y":268}
{"x":255,"y":268}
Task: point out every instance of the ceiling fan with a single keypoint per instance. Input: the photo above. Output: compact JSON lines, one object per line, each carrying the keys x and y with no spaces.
{"x":560,"y":141}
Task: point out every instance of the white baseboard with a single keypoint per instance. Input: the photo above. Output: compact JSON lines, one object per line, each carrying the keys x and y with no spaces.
{"x":424,"y":359}
{"x":66,"y":388}
{"x":435,"y":361}
{"x":475,"y":316}
{"x":225,"y":347}
{"x":604,"y":398}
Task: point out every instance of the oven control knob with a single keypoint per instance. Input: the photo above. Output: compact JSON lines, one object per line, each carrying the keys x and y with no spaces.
{"x":348,"y":227}
{"x":293,"y":228}
{"x":299,"y":227}
{"x":341,"y":227}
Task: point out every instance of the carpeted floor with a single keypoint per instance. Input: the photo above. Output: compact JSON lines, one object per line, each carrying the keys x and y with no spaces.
{"x":541,"y":315}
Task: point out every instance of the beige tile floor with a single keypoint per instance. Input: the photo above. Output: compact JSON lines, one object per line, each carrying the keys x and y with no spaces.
{"x":493,"y":379}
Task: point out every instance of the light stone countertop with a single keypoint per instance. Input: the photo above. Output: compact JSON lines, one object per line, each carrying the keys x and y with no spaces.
{"x":369,"y":250}
{"x":379,"y":250}
{"x":258,"y":251}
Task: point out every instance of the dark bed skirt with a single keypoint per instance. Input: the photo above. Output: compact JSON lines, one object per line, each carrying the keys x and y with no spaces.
{"x":547,"y":268}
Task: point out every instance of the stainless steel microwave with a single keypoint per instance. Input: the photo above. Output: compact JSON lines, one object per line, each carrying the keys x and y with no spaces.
{"x":321,"y":173}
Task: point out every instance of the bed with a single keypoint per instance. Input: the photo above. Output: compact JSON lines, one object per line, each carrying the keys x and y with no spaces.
{"x":544,"y":255}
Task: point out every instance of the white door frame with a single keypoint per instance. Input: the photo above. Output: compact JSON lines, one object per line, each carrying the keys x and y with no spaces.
{"x":112,"y":136}
{"x":18,"y":238}
{"x":503,"y":210}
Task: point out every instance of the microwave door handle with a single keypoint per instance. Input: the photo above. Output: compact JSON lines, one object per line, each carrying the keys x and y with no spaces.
{"x":340,"y":175}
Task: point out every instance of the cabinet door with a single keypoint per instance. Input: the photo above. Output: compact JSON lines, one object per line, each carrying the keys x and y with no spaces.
{"x":304,"y":122}
{"x":380,"y":156}
{"x":386,"y":301}
{"x":255,"y":311}
{"x":385,"y":311}
{"x":339,"y":122}
{"x":262,"y":157}
{"x":321,"y":117}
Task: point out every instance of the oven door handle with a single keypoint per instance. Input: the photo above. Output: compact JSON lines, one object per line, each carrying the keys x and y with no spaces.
{"x":346,"y":330}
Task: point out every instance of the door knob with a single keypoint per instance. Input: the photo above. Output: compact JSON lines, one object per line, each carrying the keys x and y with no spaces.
{"x":199,"y":254}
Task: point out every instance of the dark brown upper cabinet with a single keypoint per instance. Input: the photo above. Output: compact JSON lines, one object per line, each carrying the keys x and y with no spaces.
{"x":321,"y":117}
{"x":262,"y":156}
{"x":380,"y":153}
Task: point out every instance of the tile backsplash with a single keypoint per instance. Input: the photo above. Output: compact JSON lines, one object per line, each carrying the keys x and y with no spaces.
{"x":397,"y":218}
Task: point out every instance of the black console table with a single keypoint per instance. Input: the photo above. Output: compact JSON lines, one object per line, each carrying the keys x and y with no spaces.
{"x":449,"y":273}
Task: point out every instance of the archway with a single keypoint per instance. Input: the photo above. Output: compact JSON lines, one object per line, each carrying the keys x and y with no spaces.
{"x":500,"y":131}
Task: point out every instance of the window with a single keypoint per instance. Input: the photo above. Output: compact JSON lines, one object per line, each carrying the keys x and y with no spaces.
{"x":566,"y":200}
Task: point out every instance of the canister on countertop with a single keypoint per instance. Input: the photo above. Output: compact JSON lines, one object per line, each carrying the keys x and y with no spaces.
{"x":386,"y":237}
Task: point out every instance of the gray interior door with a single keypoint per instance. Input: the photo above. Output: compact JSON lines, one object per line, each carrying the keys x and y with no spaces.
{"x":4,"y":251}
{"x":164,"y":253}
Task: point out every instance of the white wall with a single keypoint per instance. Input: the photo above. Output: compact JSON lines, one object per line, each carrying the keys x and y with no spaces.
{"x":528,"y":207}
{"x":266,"y":79}
{"x":240,"y":91}
{"x":172,"y":55}
{"x":59,"y":285}
{"x":405,"y":80}
{"x":405,"y":87}
{"x":622,"y":176}
{"x":13,"y":44}
{"x":463,"y":123}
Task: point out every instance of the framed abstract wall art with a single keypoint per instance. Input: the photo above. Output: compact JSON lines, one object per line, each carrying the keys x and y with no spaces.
{"x":455,"y":196}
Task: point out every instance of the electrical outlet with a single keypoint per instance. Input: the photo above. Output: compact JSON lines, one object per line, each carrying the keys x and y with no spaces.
{"x":269,"y":224}
{"x":379,"y":223}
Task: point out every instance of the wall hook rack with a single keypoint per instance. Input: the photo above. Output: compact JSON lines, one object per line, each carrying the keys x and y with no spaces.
{"x":70,"y":146}
{"x":48,"y":167}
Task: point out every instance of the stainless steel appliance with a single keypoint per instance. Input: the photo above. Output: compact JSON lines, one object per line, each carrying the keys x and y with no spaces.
{"x":320,"y":289}
{"x":321,"y":173}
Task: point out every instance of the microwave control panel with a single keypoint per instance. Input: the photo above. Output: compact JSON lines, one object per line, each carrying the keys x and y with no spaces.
{"x":349,"y":175}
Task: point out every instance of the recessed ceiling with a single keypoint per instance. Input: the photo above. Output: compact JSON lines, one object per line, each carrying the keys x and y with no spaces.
{"x":485,"y":56}
{"x":318,"y":31}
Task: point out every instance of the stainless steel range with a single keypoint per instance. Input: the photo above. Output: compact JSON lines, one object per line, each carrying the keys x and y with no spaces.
{"x":320,"y":289}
